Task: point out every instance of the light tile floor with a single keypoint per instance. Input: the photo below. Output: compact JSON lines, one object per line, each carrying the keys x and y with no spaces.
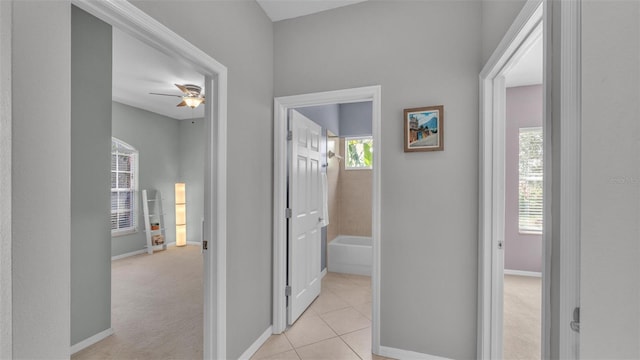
{"x":337,"y":325}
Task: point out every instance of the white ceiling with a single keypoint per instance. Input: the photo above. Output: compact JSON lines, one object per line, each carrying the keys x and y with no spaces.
{"x":139,"y":69}
{"x":528,"y":70}
{"x":287,"y":9}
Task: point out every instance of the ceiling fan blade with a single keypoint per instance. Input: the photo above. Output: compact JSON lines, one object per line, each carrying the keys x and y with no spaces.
{"x":166,"y":94}
{"x":183,"y":89}
{"x":182,"y":103}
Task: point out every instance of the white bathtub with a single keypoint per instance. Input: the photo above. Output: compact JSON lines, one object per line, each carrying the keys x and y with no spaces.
{"x":350,"y":255}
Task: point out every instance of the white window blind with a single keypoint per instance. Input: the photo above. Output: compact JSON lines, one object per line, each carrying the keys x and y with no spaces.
{"x":124,"y":187}
{"x":530,"y":194}
{"x":358,"y":152}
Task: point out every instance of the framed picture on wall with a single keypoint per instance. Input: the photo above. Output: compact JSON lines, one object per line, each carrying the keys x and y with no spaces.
{"x":423,"y":129}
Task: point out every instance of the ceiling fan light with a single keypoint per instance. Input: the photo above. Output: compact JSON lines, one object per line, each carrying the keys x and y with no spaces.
{"x":192,"y":102}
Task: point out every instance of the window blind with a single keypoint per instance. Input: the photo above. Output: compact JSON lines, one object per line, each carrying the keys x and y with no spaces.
{"x":530,"y":194}
{"x":123,"y":187}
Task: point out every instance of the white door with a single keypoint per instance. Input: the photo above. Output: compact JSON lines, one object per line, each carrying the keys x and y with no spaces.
{"x":306,"y":211}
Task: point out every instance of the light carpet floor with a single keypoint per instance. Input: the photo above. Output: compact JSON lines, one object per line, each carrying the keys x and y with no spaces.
{"x":157,"y":307}
{"x":522,"y":317}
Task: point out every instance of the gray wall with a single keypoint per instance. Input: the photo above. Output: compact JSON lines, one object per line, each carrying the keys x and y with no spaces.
{"x":524,"y":109}
{"x":240,"y":36}
{"x":41,"y":196}
{"x":327,"y":116}
{"x":5,"y":180}
{"x":156,"y":138}
{"x":351,"y":119}
{"x":497,"y":17}
{"x":90,"y":164}
{"x":191,"y":160}
{"x":423,"y":309}
{"x":355,"y":119}
{"x":610,"y":269}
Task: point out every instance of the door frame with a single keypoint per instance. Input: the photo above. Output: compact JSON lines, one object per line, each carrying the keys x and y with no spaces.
{"x":127,"y":17}
{"x":526,"y":28}
{"x":281,"y":110}
{"x":491,"y":178}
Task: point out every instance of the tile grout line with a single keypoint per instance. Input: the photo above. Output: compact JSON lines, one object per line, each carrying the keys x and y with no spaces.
{"x":352,"y":284}
{"x":352,"y":349}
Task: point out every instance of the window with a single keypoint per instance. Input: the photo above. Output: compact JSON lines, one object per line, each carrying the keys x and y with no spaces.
{"x":530,"y":180}
{"x":358,"y":152}
{"x":124,"y":188}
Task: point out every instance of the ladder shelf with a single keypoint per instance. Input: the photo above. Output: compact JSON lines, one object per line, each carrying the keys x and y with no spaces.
{"x":153,"y":221}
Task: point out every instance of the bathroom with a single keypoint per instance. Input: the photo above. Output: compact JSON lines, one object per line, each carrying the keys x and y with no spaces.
{"x":347,"y":153}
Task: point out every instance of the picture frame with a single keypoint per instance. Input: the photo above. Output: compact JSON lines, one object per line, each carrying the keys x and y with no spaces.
{"x":424,"y":129}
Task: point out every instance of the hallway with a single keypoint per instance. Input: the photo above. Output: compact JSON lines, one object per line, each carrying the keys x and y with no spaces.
{"x":337,"y":325}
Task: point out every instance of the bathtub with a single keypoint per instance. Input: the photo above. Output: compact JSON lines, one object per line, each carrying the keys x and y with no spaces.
{"x":350,"y":255}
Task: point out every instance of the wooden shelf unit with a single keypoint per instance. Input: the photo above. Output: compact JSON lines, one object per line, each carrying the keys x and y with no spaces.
{"x":153,"y":221}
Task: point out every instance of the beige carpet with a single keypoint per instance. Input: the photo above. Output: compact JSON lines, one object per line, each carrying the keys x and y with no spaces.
{"x":157,"y":307}
{"x":522,"y":317}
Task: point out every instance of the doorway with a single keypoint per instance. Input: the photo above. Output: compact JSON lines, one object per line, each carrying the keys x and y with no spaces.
{"x":140,"y":25}
{"x":282,"y":107}
{"x":512,"y":178}
{"x":524,"y":173}
{"x":561,"y":208}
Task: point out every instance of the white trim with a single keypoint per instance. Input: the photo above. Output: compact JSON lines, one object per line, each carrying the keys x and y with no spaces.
{"x":129,"y":254}
{"x":6,"y":322}
{"x":570,"y":172}
{"x":523,"y":273}
{"x":247,"y":354}
{"x":281,"y":107}
{"x":126,"y":149}
{"x":524,"y":29}
{"x":137,"y":23}
{"x":406,"y":354}
{"x":143,"y":251}
{"x":91,"y":340}
{"x":497,"y":214}
{"x":547,"y":215}
{"x":323,"y":273}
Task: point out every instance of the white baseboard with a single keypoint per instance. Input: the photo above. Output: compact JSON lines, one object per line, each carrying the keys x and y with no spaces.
{"x":522,"y":273}
{"x":195,"y":243}
{"x":256,"y":344}
{"x":144,"y":251}
{"x":323,"y":273}
{"x":91,"y":340}
{"x":406,"y":354}
{"x":133,"y":253}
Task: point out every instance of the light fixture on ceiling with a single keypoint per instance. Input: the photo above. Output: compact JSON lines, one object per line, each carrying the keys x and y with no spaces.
{"x":192,"y":101}
{"x":192,"y":95}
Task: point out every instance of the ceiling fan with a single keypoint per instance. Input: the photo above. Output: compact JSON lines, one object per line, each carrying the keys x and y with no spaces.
{"x":192,"y":95}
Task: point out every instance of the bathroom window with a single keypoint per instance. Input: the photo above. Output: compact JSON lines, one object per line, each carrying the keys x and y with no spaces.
{"x":530,"y":180}
{"x":124,"y":188}
{"x":358,"y":152}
